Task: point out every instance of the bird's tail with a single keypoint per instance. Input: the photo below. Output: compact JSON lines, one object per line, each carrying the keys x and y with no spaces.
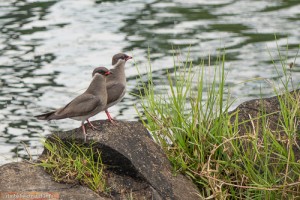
{"x":45,"y":116}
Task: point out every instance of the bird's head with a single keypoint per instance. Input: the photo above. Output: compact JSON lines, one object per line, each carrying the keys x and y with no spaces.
{"x":122,"y":57}
{"x":101,"y":70}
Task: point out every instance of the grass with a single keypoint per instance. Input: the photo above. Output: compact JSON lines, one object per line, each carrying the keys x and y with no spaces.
{"x":69,"y":162}
{"x":225,"y":155}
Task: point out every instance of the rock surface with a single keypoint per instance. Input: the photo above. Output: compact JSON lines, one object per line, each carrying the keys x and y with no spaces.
{"x":140,"y":166}
{"x":136,"y":168}
{"x":18,"y":177}
{"x":249,"y":115}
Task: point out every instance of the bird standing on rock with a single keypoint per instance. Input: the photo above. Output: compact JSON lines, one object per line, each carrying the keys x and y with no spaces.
{"x":86,"y":105}
{"x":116,"y":83}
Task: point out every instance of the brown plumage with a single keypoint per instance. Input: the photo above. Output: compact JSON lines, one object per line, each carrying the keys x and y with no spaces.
{"x":86,"y":105}
{"x":116,"y":83}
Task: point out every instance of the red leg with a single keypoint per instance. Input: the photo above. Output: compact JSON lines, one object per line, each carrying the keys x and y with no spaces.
{"x":109,"y":117}
{"x":93,"y":127}
{"x":83,"y":130}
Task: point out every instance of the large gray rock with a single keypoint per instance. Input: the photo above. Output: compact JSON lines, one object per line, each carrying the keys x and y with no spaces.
{"x":24,"y":177}
{"x":140,"y":165}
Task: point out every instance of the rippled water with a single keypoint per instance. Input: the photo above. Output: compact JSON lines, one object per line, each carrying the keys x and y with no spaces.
{"x":49,"y":48}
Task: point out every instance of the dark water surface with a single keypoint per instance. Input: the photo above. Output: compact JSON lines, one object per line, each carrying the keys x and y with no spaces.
{"x":48,"y":50}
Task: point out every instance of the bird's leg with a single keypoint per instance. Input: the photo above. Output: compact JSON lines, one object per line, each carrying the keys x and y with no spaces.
{"x":83,"y":130}
{"x":93,"y":127}
{"x":109,"y":117}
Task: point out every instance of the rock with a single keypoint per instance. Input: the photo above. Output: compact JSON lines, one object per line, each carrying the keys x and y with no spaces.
{"x":21,"y":177}
{"x":140,"y":165}
{"x":251,"y":112}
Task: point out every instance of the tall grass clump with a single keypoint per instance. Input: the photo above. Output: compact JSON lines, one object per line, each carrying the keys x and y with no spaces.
{"x":225,"y":156}
{"x":69,"y":162}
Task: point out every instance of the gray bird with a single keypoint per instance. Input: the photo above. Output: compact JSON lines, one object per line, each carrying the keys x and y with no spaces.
{"x":116,"y":83}
{"x":86,"y":105}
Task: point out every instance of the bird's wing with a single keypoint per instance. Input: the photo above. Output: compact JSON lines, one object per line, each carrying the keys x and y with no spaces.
{"x":80,"y":106}
{"x":115,"y":91}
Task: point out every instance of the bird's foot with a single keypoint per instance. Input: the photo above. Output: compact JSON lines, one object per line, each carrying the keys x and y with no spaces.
{"x":111,"y":120}
{"x":92,"y":126}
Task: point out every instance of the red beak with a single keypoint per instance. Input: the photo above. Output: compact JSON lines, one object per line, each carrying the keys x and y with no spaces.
{"x":128,"y":58}
{"x":108,"y":73}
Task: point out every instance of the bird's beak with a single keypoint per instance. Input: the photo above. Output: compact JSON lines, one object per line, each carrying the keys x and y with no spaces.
{"x":128,"y":58}
{"x":108,"y":73}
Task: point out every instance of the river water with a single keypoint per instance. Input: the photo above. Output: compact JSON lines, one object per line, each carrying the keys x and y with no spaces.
{"x":49,"y":48}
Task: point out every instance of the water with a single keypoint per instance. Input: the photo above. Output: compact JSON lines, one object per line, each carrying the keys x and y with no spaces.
{"x":49,"y":48}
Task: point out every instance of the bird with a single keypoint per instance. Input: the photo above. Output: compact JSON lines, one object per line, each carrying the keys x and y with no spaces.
{"x":86,"y":105}
{"x":116,"y":83}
